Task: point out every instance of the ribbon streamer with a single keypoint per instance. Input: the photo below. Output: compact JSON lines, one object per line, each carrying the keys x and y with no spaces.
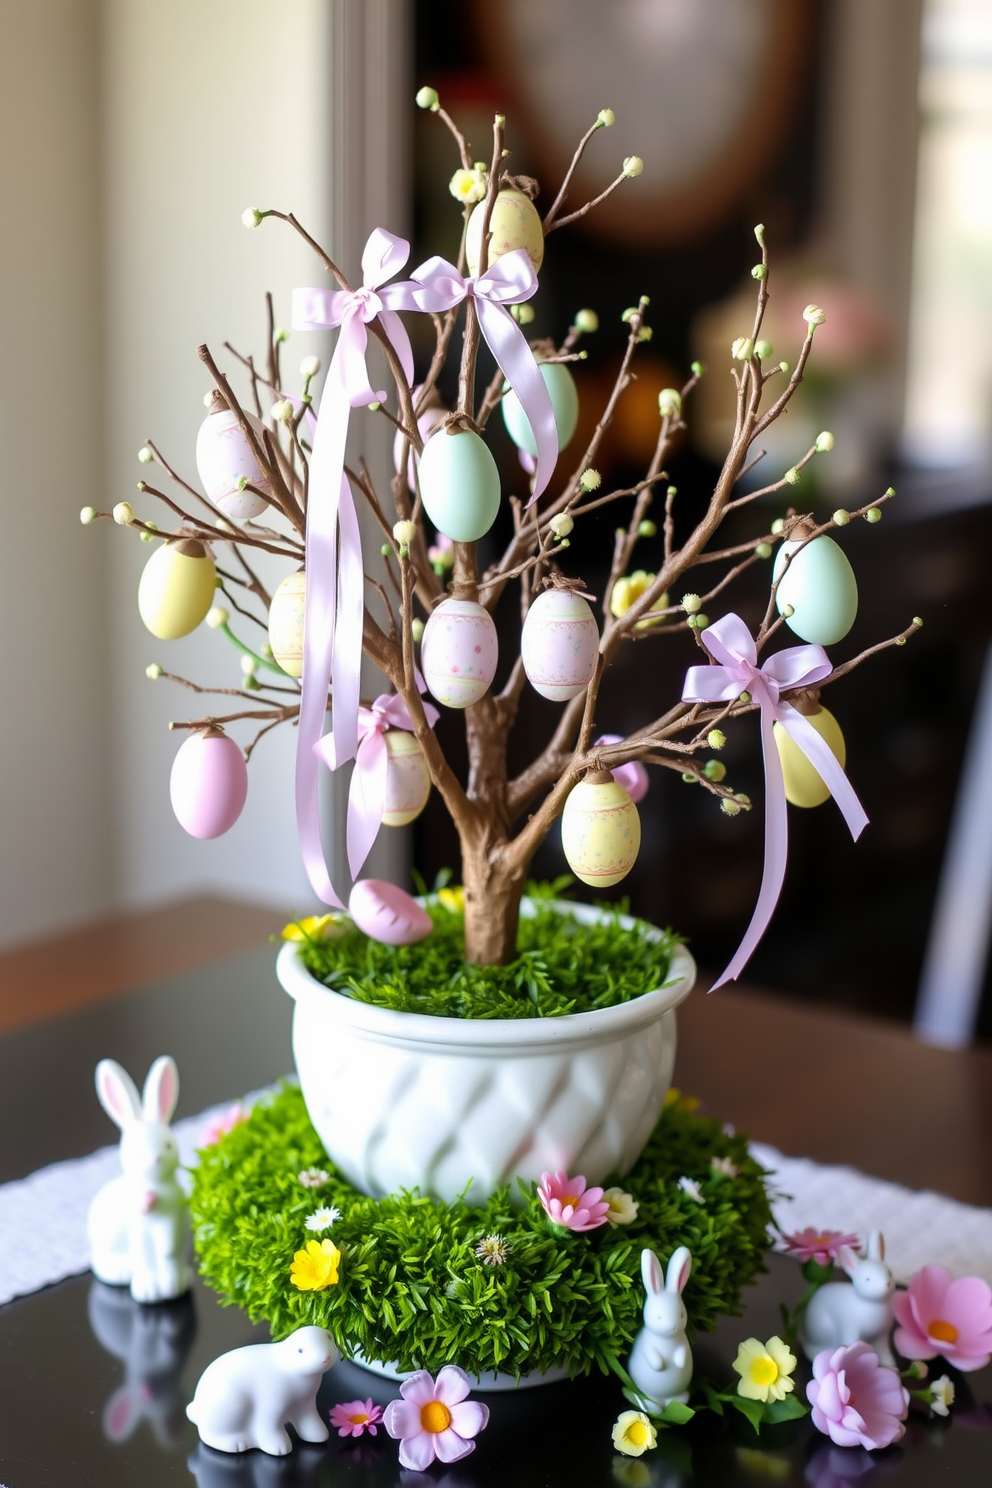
{"x":732,"y":647}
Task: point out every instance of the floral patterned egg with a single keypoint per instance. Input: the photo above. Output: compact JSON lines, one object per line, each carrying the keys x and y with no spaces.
{"x":803,"y":783}
{"x":515,"y":223}
{"x":176,"y":588}
{"x":600,"y":831}
{"x":564,"y":400}
{"x":223,"y":456}
{"x":209,"y":784}
{"x":408,"y":780}
{"x":286,"y":623}
{"x":459,"y":484}
{"x":820,"y":586}
{"x":458,"y":652}
{"x":559,"y":645}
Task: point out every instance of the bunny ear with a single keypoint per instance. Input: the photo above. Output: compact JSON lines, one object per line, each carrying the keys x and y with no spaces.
{"x":161,"y":1089}
{"x":651,"y":1275}
{"x":848,"y":1259}
{"x":117,"y":1093}
{"x":876,"y":1246}
{"x":678,"y":1270}
{"x":121,"y":1414}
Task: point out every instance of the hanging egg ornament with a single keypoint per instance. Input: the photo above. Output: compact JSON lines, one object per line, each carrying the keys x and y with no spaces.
{"x":803,"y":783}
{"x":176,"y":588}
{"x":600,"y":830}
{"x":286,"y":623}
{"x":459,"y":484}
{"x":515,"y":223}
{"x":209,"y":784}
{"x":564,"y":400}
{"x":458,"y":652}
{"x":820,"y":586}
{"x":386,"y":913}
{"x":408,"y":780}
{"x":224,"y":457}
{"x":633,"y":776}
{"x":559,"y":645}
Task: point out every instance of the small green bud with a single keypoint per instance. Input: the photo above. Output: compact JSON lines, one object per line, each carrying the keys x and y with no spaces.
{"x":587,"y":321}
{"x":606,"y":117}
{"x":917,"y":620}
{"x":252,"y":217}
{"x":145,"y":455}
{"x":88,"y":514}
{"x":841,"y":517}
{"x":698,"y":369}
{"x":788,"y":611}
{"x":688,"y":777}
{"x":404,"y":534}
{"x":891,"y":491}
{"x":282,"y":411}
{"x":729,"y":806}
{"x":632,"y":165}
{"x":783,"y":366}
{"x":417,"y":629}
{"x":900,"y":640}
{"x":715,"y":770}
{"x":266,"y":649}
{"x":745,"y":697}
{"x":669,"y":402}
{"x":124,"y":513}
{"x":647,"y":529}
{"x":153,"y":672}
{"x":742,"y":349}
{"x":149,"y":536}
{"x":716,"y":738}
{"x":427,"y":99}
{"x":672,"y":491}
{"x":373,"y":407}
{"x":250,"y":684}
{"x":522,"y":314}
{"x":763,"y":349}
{"x":702,"y":621}
{"x":691,"y":603}
{"x":777,"y":526}
{"x":814,"y":316}
{"x":792,"y":476}
{"x":249,"y":666}
{"x":873,"y":514}
{"x":759,"y":271}
{"x":561,"y":525}
{"x":280,"y":336}
{"x":691,"y":622}
{"x":824,"y":442}
{"x":645,"y":333}
{"x":217,"y":617}
{"x":743,"y":801}
{"x":759,"y":233}
{"x":763,"y":550}
{"x":590,"y":480}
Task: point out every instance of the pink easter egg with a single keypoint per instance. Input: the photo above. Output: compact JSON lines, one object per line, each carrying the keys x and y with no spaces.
{"x":209,"y":784}
{"x":633,"y":776}
{"x":459,"y":652}
{"x":387,"y":913}
{"x":223,"y":456}
{"x":559,"y":645}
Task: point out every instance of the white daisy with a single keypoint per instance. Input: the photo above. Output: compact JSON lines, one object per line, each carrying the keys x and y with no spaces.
{"x":322,"y":1219}
{"x":313,"y":1177}
{"x":691,"y":1189}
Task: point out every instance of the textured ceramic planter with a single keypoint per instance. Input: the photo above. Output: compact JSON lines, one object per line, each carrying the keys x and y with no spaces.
{"x":402,"y":1100}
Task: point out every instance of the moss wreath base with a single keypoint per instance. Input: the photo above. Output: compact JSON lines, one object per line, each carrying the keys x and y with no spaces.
{"x":413,"y":1287}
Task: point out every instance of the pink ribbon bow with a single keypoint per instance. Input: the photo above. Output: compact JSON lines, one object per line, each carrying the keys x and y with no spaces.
{"x":437,"y":285}
{"x":731,"y":645}
{"x":335,"y":582}
{"x":367,"y":792}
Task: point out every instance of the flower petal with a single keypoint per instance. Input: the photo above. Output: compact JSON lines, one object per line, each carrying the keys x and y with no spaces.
{"x":450,"y":1447}
{"x":417,"y":1452}
{"x":452,"y":1385}
{"x":469,"y":1417}
{"x":401,"y":1418}
{"x":419,"y":1388}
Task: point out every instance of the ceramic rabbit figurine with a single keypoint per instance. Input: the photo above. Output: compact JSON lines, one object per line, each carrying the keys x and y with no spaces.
{"x":138,"y":1225}
{"x":660,"y":1363}
{"x":245,"y":1398}
{"x":856,"y":1311}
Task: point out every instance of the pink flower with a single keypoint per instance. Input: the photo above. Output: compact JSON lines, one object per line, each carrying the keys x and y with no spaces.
{"x":434,"y":1419}
{"x":218,"y":1126}
{"x":856,"y":1401}
{"x":567,"y":1202}
{"x":355,"y":1416}
{"x":940,"y":1316}
{"x":820,"y":1246}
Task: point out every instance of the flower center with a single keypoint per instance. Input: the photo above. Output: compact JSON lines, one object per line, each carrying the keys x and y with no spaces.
{"x":358,"y":1420}
{"x":943,"y":1331}
{"x":435,"y":1417}
{"x":572,"y":1199}
{"x":637,"y":1433}
{"x":764,"y":1371}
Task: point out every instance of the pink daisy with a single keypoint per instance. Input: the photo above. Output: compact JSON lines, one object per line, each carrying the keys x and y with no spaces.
{"x":940,"y":1316}
{"x":856,"y":1401}
{"x":567,"y":1202}
{"x":434,"y":1418}
{"x":820,"y":1246}
{"x":352,"y":1417}
{"x":218,"y":1126}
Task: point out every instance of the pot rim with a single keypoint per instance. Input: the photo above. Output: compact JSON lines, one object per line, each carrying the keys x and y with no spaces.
{"x":392,"y":1026}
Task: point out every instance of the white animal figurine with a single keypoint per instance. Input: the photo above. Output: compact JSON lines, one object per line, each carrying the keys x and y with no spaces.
{"x":856,"y":1311}
{"x":660,"y":1363}
{"x":138,"y":1224}
{"x":245,"y":1398}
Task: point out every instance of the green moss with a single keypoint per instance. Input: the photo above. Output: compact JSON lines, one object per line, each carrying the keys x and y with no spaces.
{"x":411,"y":1288}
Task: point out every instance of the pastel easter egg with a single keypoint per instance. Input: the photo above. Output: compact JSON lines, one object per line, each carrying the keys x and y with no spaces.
{"x":515,"y":223}
{"x":408,"y":780}
{"x":820,"y":586}
{"x":223,"y":457}
{"x":459,"y":652}
{"x":384,"y":912}
{"x":633,"y":776}
{"x":426,"y":421}
{"x":559,"y":645}
{"x":600,"y":832}
{"x":459,"y":484}
{"x":176,"y":588}
{"x":286,"y":623}
{"x":803,"y":783}
{"x":564,"y":400}
{"x":209,"y":784}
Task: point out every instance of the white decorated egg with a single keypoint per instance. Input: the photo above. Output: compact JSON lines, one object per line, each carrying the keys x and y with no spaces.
{"x":820,"y":586}
{"x":209,"y":784}
{"x":408,"y":780}
{"x":515,"y":223}
{"x":803,"y":783}
{"x":223,"y":457}
{"x":564,"y":400}
{"x":600,"y":832}
{"x":633,"y":776}
{"x":559,"y":645}
{"x":387,"y":913}
{"x":459,"y":484}
{"x":176,"y":588}
{"x":458,"y":652}
{"x":286,"y":623}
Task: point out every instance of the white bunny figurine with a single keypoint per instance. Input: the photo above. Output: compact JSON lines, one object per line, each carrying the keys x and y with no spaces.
{"x":856,"y":1311}
{"x":245,"y":1398}
{"x":138,"y":1225}
{"x":660,"y":1363}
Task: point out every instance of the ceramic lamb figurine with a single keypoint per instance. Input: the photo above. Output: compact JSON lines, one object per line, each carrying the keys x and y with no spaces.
{"x":138,"y":1224}
{"x":245,"y":1398}
{"x":856,"y":1311}
{"x":660,"y":1363}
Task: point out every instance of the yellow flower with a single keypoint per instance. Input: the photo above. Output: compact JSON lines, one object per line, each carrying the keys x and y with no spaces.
{"x":633,"y":1434}
{"x":468,"y":186}
{"x":623,"y":1207}
{"x":313,"y":927}
{"x":628,"y":590}
{"x":765,"y":1369}
{"x":453,"y":900}
{"x":316,"y":1267}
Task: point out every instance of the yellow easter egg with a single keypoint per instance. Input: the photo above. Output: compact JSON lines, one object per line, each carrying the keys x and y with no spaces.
{"x":408,"y":780}
{"x":176,"y":588}
{"x":286,"y":623}
{"x":803,"y":785}
{"x":515,"y":223}
{"x":600,"y":832}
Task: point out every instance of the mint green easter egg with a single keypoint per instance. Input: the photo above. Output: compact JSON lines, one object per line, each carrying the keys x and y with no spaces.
{"x":564,"y":400}
{"x":459,"y":484}
{"x":820,"y":586}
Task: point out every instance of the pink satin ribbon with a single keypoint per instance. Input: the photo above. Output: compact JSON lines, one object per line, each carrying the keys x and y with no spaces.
{"x":731,"y":645}
{"x":437,"y":286}
{"x":335,"y":582}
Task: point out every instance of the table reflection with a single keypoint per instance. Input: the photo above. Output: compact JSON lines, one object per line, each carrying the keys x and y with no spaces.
{"x":153,"y":1343}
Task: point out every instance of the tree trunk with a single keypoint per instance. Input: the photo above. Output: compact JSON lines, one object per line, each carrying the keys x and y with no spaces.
{"x":492,"y":906}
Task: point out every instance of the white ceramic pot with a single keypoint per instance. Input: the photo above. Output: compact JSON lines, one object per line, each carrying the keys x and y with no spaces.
{"x":459,"y":1106}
